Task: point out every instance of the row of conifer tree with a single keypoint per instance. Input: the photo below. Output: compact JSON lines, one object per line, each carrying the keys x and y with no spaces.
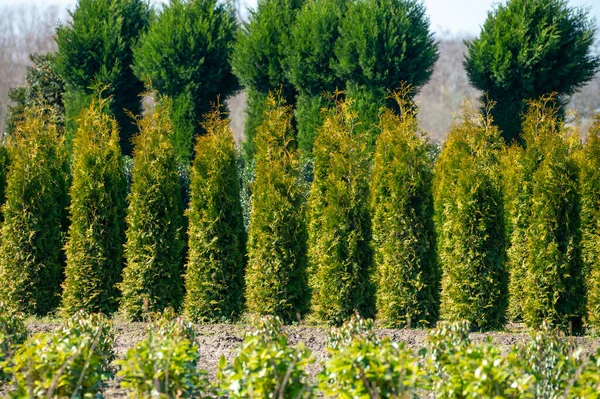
{"x":385,"y":226}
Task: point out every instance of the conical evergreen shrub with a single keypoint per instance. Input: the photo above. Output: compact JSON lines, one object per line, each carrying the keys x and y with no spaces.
{"x":276,"y":281}
{"x":97,"y":213}
{"x":339,"y":224}
{"x":4,"y":164}
{"x":403,"y":242}
{"x":31,"y":260}
{"x":470,"y":223}
{"x":553,"y":285}
{"x":590,"y":222}
{"x":214,"y":277}
{"x":152,"y":278}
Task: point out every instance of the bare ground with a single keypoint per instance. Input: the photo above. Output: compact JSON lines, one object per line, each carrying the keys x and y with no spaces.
{"x":224,"y":339}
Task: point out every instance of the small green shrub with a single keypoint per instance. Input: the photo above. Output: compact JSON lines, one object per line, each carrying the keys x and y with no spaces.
{"x":470,"y":223}
{"x":589,"y":180}
{"x":276,"y":281}
{"x":215,"y":270}
{"x":553,"y":287}
{"x":266,"y":367}
{"x":73,"y":362}
{"x":407,"y":273}
{"x":163,"y":365}
{"x":361,"y":366}
{"x":12,"y":334}
{"x":35,"y":216}
{"x":152,"y":278}
{"x":339,"y":223}
{"x":96,"y":235}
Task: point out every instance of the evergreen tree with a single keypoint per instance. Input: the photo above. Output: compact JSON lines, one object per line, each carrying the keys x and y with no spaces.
{"x":258,"y":60}
{"x":96,"y":236}
{"x":34,"y":215}
{"x":43,"y":86}
{"x":95,"y":50}
{"x":309,"y":61}
{"x":526,"y":49}
{"x":403,"y":242}
{"x":215,"y":270}
{"x":152,"y":278}
{"x":4,"y":165}
{"x":383,"y":43}
{"x":553,"y":279}
{"x":590,"y":222}
{"x":470,"y":223}
{"x":185,"y":54}
{"x":276,"y":281}
{"x":339,"y":224}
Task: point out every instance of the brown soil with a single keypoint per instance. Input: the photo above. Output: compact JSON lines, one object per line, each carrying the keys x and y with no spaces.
{"x":224,"y":339}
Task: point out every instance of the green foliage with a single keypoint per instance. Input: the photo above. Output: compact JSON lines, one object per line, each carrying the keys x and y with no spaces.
{"x":4,"y":166}
{"x":266,"y":367}
{"x":383,"y":43}
{"x":185,"y":55}
{"x":339,"y":224}
{"x":309,"y":63}
{"x":589,"y":180}
{"x":152,"y":278}
{"x":361,"y":366}
{"x":528,"y":48}
{"x":215,"y":270}
{"x":553,"y":285}
{"x":163,"y":365}
{"x":402,"y":211}
{"x":95,"y":49}
{"x":470,"y":223}
{"x":258,"y":60}
{"x":43,"y":86}
{"x":276,"y":281}
{"x":12,"y":334}
{"x":96,"y":236}
{"x":34,"y":215}
{"x":73,"y":362}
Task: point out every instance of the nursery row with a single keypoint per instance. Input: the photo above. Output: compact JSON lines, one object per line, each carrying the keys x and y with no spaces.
{"x":374,"y":222}
{"x":77,"y":360}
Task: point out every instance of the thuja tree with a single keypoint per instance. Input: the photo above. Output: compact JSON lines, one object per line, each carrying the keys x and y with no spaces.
{"x":35,"y":215}
{"x":553,"y":280}
{"x":383,"y":43}
{"x":402,"y":220}
{"x":96,"y":235}
{"x":528,"y":48}
{"x":470,"y":223}
{"x":339,"y":224}
{"x":95,"y":48}
{"x":276,"y":282}
{"x":258,"y":60}
{"x":214,"y":278}
{"x":43,"y":86}
{"x":589,"y":160}
{"x":152,"y":278}
{"x":185,"y":54}
{"x":310,"y":59}
{"x":4,"y":164}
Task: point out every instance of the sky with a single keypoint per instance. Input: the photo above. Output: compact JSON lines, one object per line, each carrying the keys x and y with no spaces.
{"x":454,"y":17}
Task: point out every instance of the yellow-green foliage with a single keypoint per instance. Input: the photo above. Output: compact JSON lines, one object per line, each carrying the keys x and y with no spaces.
{"x":215,"y":270}
{"x":97,"y":232}
{"x":4,"y":164}
{"x":517,"y":169}
{"x":402,"y":218}
{"x":339,"y":225}
{"x":470,"y":223}
{"x":152,"y":278}
{"x":590,"y":221}
{"x":553,"y":285}
{"x":35,"y":215}
{"x":276,"y":282}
